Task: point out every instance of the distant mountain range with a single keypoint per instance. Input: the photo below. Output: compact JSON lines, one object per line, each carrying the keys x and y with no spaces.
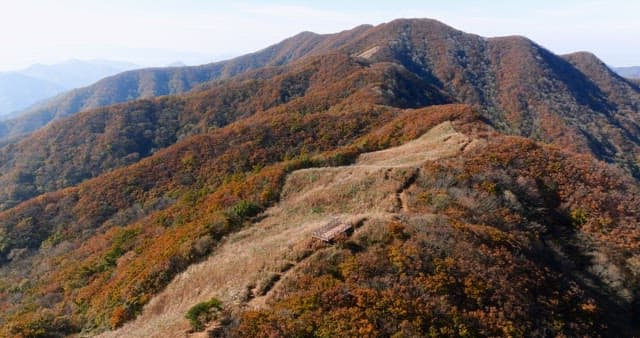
{"x":629,"y":72}
{"x":20,"y":89}
{"x":152,"y":82}
{"x":177,"y":64}
{"x":77,"y":73}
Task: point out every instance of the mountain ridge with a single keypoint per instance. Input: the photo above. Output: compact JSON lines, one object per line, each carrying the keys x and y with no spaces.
{"x":522,"y":88}
{"x":152,"y":82}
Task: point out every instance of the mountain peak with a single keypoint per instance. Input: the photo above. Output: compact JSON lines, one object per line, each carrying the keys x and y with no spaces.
{"x":513,"y":39}
{"x":586,"y":59}
{"x":423,"y":22}
{"x":607,"y":79}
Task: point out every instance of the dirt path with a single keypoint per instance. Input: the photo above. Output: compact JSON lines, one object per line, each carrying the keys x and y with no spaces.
{"x":401,"y":194}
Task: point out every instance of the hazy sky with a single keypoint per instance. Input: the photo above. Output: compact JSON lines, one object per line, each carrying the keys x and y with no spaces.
{"x":157,"y":32}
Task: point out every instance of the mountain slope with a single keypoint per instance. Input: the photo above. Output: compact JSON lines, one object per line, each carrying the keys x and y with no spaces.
{"x":310,"y":199}
{"x":416,"y":272}
{"x":521,"y":87}
{"x":103,"y":209}
{"x":417,"y":222}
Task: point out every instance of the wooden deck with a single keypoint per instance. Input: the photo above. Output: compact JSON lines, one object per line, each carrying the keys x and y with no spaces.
{"x":330,"y":231}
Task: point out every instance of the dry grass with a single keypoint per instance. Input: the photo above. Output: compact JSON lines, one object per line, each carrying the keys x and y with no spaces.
{"x":369,"y":53}
{"x":439,"y":142}
{"x":250,"y":264}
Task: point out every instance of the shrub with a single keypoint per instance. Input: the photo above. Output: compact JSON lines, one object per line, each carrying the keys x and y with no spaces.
{"x":244,"y":209}
{"x":268,"y":283}
{"x":578,"y":217}
{"x":201,"y":313}
{"x":241,"y":211}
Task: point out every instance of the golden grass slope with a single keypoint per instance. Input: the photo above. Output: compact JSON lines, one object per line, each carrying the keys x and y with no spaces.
{"x":237,"y":271}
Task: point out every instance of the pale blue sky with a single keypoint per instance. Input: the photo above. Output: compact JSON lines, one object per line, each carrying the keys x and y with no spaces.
{"x":156,"y":32}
